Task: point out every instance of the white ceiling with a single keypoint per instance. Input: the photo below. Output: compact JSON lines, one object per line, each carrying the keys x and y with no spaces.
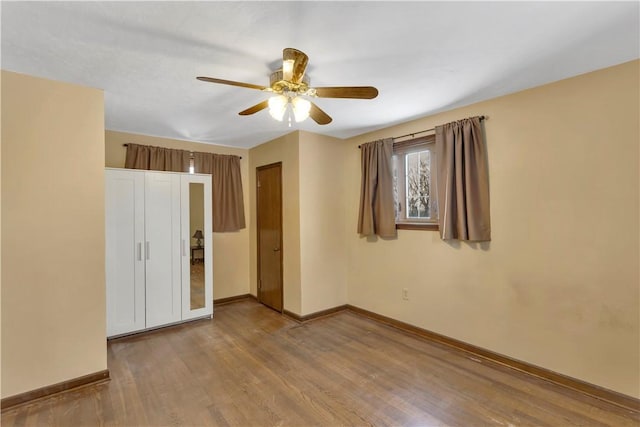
{"x":424,"y":57}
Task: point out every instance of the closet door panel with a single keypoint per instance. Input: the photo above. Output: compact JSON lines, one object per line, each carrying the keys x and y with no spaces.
{"x":197,"y":273}
{"x":162,"y":248}
{"x":124,"y":239}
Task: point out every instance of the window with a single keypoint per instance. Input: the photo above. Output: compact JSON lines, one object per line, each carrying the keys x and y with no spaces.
{"x":415,"y":187}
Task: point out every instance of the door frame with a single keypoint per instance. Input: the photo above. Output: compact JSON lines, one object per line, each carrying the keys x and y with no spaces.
{"x":258,"y":285}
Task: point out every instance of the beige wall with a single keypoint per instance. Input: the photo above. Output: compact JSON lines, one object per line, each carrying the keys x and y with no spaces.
{"x":323,"y":242}
{"x":285,"y":150}
{"x":558,"y":286}
{"x":0,"y":236}
{"x":53,"y":292}
{"x":230,"y":256}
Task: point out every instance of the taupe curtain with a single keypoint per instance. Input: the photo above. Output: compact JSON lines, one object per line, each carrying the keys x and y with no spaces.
{"x":463,"y":181}
{"x":156,"y":158}
{"x":377,"y":214}
{"x":137,"y":157}
{"x":228,"y":205}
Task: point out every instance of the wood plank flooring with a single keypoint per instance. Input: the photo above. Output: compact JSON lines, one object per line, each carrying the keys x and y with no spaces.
{"x":250,"y":366}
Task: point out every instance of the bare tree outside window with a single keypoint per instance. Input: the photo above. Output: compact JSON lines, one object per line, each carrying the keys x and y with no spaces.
{"x":418,"y":184}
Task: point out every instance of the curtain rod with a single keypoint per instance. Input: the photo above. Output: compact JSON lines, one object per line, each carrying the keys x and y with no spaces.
{"x":421,"y":131}
{"x":126,"y":145}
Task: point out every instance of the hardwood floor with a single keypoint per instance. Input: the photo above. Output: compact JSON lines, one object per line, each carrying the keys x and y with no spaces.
{"x":250,"y":366}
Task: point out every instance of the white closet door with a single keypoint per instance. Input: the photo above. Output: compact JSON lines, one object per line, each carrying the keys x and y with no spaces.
{"x":124,"y":241}
{"x":162,"y":248}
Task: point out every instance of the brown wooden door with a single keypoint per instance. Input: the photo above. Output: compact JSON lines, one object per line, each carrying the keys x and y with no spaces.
{"x":269,"y":222}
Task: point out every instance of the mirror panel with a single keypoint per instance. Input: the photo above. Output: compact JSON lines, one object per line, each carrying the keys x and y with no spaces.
{"x":198,"y":250}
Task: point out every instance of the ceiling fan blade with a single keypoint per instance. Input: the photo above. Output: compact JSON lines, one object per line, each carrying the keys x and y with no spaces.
{"x":231,"y":82}
{"x":252,"y":110}
{"x":319,"y":116}
{"x":359,"y":92}
{"x":294,"y":63}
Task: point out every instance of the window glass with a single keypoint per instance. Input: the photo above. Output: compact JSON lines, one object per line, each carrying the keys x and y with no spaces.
{"x":414,"y":179}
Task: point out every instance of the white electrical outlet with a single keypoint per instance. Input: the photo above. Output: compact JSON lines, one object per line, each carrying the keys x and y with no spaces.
{"x":405,"y":294}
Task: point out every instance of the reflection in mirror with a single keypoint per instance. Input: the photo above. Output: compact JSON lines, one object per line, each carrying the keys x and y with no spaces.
{"x":198,"y":250}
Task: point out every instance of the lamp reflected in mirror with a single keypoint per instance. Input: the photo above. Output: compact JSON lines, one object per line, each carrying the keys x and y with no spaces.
{"x":198,"y":235}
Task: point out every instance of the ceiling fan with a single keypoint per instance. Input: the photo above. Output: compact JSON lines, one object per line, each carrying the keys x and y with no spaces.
{"x":289,"y":84}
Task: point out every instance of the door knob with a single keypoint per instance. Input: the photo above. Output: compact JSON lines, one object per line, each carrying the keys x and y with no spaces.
{"x":276,"y":249}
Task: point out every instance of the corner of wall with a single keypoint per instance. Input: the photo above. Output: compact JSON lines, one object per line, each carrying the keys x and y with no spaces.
{"x":323,"y":244}
{"x":1,"y":395}
{"x":284,"y":149}
{"x":41,"y":306}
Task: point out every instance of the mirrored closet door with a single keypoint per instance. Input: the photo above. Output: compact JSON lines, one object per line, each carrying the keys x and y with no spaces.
{"x":196,"y":240}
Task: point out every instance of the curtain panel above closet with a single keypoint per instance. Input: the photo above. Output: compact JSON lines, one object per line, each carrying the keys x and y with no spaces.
{"x":156,"y":158}
{"x":228,"y":205}
{"x":227,"y":194}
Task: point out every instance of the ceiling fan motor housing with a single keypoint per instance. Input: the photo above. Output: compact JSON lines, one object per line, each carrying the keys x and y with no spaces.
{"x":279,"y":84}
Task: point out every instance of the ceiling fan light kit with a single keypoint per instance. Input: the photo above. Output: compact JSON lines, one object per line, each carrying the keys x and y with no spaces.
{"x":301,"y":108}
{"x":279,"y":105}
{"x":289,"y":84}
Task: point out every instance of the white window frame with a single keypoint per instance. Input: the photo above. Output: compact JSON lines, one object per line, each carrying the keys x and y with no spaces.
{"x":400,"y":152}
